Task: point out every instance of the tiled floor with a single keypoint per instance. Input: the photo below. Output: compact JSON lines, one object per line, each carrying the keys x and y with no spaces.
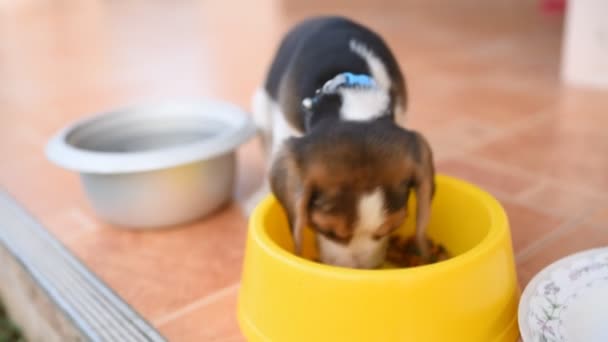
{"x":483,"y":85}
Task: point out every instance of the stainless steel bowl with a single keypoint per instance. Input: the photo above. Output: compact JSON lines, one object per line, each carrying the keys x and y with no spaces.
{"x":155,"y":165}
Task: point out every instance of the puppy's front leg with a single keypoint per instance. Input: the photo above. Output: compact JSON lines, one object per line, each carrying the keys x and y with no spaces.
{"x":424,"y":176}
{"x":424,"y":193}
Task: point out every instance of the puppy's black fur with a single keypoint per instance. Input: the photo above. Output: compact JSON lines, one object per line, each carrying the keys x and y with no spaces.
{"x":322,"y":44}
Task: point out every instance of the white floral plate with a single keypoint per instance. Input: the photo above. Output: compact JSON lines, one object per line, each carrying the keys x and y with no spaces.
{"x":568,"y":300}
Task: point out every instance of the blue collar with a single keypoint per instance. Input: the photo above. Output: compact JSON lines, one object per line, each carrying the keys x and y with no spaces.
{"x":342,"y":80}
{"x":347,"y":80}
{"x":353,"y":80}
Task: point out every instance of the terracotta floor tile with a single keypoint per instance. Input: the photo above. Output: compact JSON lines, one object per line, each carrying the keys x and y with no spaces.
{"x":214,"y":322}
{"x":490,"y":179}
{"x":524,"y":276}
{"x":72,"y":222}
{"x":20,"y":141}
{"x":572,"y":160}
{"x":565,"y":149}
{"x":161,"y":271}
{"x":563,"y":201}
{"x":492,"y":105}
{"x":582,"y":106}
{"x":43,"y":188}
{"x":19,"y":145}
{"x":452,"y":138}
{"x":575,"y":240}
{"x":600,"y":217}
{"x":528,"y":225}
{"x":424,"y":121}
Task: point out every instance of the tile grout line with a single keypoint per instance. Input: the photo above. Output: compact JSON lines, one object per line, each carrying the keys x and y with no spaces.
{"x":82,"y":219}
{"x":541,"y":209}
{"x":542,"y":116}
{"x":566,"y":223}
{"x":539,"y":117}
{"x":481,"y":161}
{"x":519,"y":200}
{"x":73,"y":213}
{"x":199,"y":303}
{"x":563,"y":228}
{"x":594,"y":224}
{"x":538,"y":244}
{"x":525,"y":195}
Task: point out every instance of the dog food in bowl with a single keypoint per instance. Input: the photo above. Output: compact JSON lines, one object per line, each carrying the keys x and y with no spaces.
{"x":403,"y":252}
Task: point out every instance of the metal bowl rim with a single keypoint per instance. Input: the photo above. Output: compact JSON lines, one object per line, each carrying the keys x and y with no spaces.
{"x":239,"y":123}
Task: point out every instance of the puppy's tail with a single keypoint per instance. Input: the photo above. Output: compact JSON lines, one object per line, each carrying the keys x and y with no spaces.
{"x":374,"y":63}
{"x":382,"y":77}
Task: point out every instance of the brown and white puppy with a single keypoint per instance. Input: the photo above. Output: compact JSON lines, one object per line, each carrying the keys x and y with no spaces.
{"x":338,"y":162}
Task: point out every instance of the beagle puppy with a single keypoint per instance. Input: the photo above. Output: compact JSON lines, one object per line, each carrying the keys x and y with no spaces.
{"x":337,"y":160}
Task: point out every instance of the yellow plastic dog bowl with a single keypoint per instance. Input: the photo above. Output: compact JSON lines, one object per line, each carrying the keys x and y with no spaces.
{"x":471,"y":297}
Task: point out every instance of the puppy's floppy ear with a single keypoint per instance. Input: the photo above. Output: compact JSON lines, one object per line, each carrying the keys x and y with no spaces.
{"x":303,"y":197}
{"x":292,"y":190}
{"x":424,"y":183}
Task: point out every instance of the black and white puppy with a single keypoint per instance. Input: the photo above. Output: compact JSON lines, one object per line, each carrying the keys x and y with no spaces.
{"x":338,"y":161}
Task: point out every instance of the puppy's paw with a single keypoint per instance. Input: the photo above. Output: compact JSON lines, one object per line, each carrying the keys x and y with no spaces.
{"x":424,"y":247}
